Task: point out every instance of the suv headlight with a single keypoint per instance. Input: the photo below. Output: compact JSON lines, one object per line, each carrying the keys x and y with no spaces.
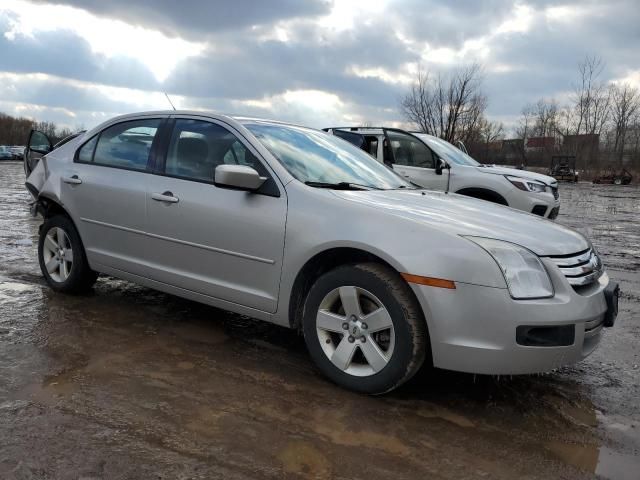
{"x":527,"y":185}
{"x":523,"y":271}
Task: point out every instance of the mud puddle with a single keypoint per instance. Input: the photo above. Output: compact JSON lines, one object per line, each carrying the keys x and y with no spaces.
{"x":131,"y":383}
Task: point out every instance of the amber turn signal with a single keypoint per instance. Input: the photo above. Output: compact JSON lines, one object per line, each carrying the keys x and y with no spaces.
{"x":430,"y":281}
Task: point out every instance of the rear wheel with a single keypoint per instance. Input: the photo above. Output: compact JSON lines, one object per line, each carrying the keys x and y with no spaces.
{"x":364,"y":328}
{"x":62,"y":258}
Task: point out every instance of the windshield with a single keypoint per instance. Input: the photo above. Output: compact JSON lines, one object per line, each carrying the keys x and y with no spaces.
{"x":448,"y":152}
{"x":312,"y":156}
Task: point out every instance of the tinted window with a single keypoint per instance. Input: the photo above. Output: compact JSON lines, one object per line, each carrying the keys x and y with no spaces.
{"x":410,"y":151}
{"x":86,"y":152}
{"x":127,"y":144}
{"x":372,"y":146}
{"x":198,"y":147}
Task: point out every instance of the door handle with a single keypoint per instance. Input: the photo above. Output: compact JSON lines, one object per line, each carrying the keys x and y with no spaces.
{"x":73,"y":180}
{"x":166,"y":197}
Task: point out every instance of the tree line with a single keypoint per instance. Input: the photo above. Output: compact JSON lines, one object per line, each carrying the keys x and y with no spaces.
{"x":15,"y":130}
{"x":453,"y":107}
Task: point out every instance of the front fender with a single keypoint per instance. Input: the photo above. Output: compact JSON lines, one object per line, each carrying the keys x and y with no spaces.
{"x":408,"y":246}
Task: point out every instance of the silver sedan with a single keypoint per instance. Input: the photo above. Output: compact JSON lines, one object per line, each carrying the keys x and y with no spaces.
{"x":297,"y":227}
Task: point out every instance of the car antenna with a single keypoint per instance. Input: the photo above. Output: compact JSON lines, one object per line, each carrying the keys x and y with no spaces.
{"x":169,"y":100}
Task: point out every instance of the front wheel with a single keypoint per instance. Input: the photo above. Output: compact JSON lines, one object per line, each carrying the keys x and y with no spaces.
{"x":364,"y":328}
{"x":62,"y":258}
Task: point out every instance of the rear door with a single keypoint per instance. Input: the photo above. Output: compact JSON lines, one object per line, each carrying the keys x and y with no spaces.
{"x":414,"y":160}
{"x":223,"y":243}
{"x":104,"y":190}
{"x":354,"y":138}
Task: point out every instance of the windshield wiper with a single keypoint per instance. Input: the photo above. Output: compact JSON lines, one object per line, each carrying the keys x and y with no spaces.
{"x":341,"y":186}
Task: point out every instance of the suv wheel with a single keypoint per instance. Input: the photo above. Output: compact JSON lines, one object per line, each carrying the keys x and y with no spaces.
{"x":62,"y":258}
{"x":364,"y":328}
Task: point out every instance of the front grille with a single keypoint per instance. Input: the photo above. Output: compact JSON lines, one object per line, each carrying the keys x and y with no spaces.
{"x":582,"y":268}
{"x":554,"y":190}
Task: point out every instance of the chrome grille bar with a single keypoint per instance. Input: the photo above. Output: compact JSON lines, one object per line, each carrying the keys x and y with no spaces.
{"x":581,"y":268}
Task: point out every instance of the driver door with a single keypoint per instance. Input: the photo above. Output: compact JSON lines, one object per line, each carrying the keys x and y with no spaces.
{"x":224,"y":243}
{"x":415,"y":161}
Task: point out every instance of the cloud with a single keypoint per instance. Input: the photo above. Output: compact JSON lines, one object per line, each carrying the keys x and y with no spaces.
{"x":314,"y":62}
{"x":65,"y":54}
{"x":195,"y":19}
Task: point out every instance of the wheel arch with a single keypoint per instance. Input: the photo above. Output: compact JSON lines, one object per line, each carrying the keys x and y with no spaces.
{"x":48,"y":207}
{"x":482,"y":193}
{"x":321,"y":263}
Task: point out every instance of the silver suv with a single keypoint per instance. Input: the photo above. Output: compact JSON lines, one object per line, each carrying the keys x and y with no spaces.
{"x":298,"y":227}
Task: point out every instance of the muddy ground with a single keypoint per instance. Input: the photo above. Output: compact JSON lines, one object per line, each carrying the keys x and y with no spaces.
{"x":132,"y":383}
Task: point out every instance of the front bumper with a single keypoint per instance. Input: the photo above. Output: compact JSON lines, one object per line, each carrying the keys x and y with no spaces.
{"x":475,"y":328}
{"x":542,"y":204}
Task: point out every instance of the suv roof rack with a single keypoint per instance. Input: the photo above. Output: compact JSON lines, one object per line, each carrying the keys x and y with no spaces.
{"x":354,"y":129}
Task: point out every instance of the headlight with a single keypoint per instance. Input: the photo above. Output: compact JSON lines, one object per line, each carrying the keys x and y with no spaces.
{"x":527,"y":185}
{"x":523,"y":271}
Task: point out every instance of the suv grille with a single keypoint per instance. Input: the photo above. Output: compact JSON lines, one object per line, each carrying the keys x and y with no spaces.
{"x":580,"y":268}
{"x":554,"y":190}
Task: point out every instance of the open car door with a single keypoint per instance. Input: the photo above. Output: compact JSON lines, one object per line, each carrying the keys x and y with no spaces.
{"x":354,"y":138}
{"x":38,"y":145}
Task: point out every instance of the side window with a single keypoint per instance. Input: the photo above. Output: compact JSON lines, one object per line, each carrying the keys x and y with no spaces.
{"x":86,"y":152}
{"x":372,"y":146}
{"x":127,"y":144}
{"x":410,"y":151}
{"x":197,"y":147}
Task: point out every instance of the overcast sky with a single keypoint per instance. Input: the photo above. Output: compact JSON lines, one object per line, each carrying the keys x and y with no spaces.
{"x":316,"y":62}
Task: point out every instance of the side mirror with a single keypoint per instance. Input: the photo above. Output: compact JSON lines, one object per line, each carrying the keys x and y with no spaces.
{"x":440,"y":165}
{"x":239,"y":177}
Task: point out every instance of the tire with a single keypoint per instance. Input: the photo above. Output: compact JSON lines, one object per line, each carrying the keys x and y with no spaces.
{"x":69,"y":271}
{"x":397,"y":352}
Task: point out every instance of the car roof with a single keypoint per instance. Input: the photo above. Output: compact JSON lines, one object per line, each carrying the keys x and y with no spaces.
{"x":376,"y":130}
{"x":205,"y":113}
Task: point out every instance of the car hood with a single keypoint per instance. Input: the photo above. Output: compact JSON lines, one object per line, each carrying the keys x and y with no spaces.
{"x":491,"y":169}
{"x":461,"y":215}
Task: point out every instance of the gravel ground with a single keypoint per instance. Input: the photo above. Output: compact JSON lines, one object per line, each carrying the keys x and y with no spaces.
{"x":130,"y":383}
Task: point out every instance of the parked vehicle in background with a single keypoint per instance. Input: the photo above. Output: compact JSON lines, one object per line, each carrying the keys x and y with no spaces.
{"x":563,"y":168}
{"x":17,"y":152}
{"x":5,"y":153}
{"x":612,"y":177}
{"x":380,"y":276}
{"x":436,"y":164}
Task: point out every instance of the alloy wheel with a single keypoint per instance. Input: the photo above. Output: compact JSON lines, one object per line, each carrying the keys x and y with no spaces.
{"x":355,"y":331}
{"x":57,"y":254}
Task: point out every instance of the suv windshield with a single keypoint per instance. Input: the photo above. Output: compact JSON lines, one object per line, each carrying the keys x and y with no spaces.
{"x":315,"y":157}
{"x":447,"y":151}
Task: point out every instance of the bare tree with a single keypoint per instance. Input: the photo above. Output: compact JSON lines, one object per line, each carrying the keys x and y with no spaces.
{"x":449,"y":107}
{"x":524,"y":130}
{"x":591,"y":97}
{"x":625,"y":107}
{"x":545,"y":114}
{"x":491,"y":131}
{"x":566,"y":122}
